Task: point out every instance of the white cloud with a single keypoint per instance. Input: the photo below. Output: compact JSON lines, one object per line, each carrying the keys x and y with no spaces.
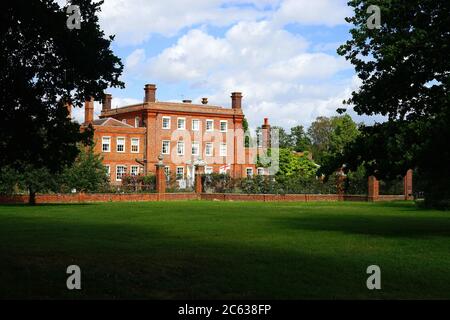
{"x":78,"y":113}
{"x":308,"y":65}
{"x":135,"y":59}
{"x":192,"y":58}
{"x":272,"y":67}
{"x":312,"y":12}
{"x":282,"y":76}
{"x":133,"y":21}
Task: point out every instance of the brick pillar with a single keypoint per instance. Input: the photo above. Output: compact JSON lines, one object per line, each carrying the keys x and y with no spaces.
{"x":340,"y":184}
{"x":373,"y":188}
{"x":408,"y":185}
{"x":198,"y":178}
{"x":160,"y":178}
{"x":150,"y":93}
{"x":89,"y":110}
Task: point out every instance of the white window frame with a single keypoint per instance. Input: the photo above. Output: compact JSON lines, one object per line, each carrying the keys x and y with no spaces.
{"x":184,"y":148}
{"x":109,"y":143}
{"x":168,"y":146}
{"x":226,"y":125}
{"x":246,"y":172}
{"x":124,"y":144}
{"x":258,"y":171}
{"x":166,"y":118}
{"x":221,"y":153}
{"x":134,"y":145}
{"x":198,"y":148}
{"x":176,"y":173}
{"x":137,"y":170}
{"x":137,"y":121}
{"x":206,"y":125}
{"x":184,"y":124}
{"x":209,"y":170}
{"x":117,"y":171}
{"x":198,"y":124}
{"x":210,"y":154}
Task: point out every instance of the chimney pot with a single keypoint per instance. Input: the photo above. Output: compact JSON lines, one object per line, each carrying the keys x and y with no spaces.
{"x":106,"y":103}
{"x":150,"y":93}
{"x":236,"y":100}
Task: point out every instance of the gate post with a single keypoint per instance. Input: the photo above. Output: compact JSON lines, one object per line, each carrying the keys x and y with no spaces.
{"x":160,"y":176}
{"x":198,"y":177}
{"x":408,"y":185}
{"x":340,"y":184}
{"x":373,"y":189}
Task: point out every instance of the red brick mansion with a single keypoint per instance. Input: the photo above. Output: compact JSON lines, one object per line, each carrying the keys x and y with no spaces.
{"x":132,"y":138}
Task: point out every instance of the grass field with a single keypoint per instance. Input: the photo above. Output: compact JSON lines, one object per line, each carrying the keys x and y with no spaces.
{"x":232,"y":250}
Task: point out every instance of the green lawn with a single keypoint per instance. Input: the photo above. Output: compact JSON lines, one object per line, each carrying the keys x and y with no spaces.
{"x":212,"y":250}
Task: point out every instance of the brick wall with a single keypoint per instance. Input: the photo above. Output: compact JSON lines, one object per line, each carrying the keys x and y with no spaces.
{"x":112,"y":197}
{"x":98,"y":197}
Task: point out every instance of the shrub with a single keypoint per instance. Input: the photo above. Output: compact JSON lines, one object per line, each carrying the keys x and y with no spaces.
{"x":139,"y":183}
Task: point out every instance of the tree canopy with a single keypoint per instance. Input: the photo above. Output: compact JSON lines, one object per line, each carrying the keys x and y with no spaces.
{"x":405,"y":71}
{"x":46,"y":65}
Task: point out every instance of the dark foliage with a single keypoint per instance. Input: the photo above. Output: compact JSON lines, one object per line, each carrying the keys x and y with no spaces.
{"x":44,"y":66}
{"x":405,"y":73}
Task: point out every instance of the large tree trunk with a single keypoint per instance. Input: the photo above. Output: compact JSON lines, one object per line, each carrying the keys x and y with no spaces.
{"x":32,"y":198}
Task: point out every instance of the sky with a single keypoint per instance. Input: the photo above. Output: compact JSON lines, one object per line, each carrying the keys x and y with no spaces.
{"x":281,"y":54}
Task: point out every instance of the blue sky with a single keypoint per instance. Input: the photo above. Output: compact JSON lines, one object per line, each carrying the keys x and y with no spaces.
{"x":281,"y":54}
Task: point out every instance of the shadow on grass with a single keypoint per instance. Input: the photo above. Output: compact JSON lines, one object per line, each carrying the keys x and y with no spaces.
{"x":122,"y":259}
{"x":388,"y":226}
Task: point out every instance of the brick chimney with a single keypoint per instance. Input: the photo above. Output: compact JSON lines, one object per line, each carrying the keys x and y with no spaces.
{"x":236,"y":100}
{"x":106,"y":103}
{"x":150,"y":93}
{"x":265,"y":128}
{"x":89,"y":110}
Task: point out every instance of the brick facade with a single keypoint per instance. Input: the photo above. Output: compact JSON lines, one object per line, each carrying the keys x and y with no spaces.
{"x":214,"y":133}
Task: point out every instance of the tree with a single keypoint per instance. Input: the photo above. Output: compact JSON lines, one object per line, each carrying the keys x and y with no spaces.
{"x":87,"y":174}
{"x":31,"y":179}
{"x":284,"y":139}
{"x":405,"y":73}
{"x":329,"y":136}
{"x":319,"y":132}
{"x":292,"y":164}
{"x":246,"y":136}
{"x":45,"y":66}
{"x":300,"y":139}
